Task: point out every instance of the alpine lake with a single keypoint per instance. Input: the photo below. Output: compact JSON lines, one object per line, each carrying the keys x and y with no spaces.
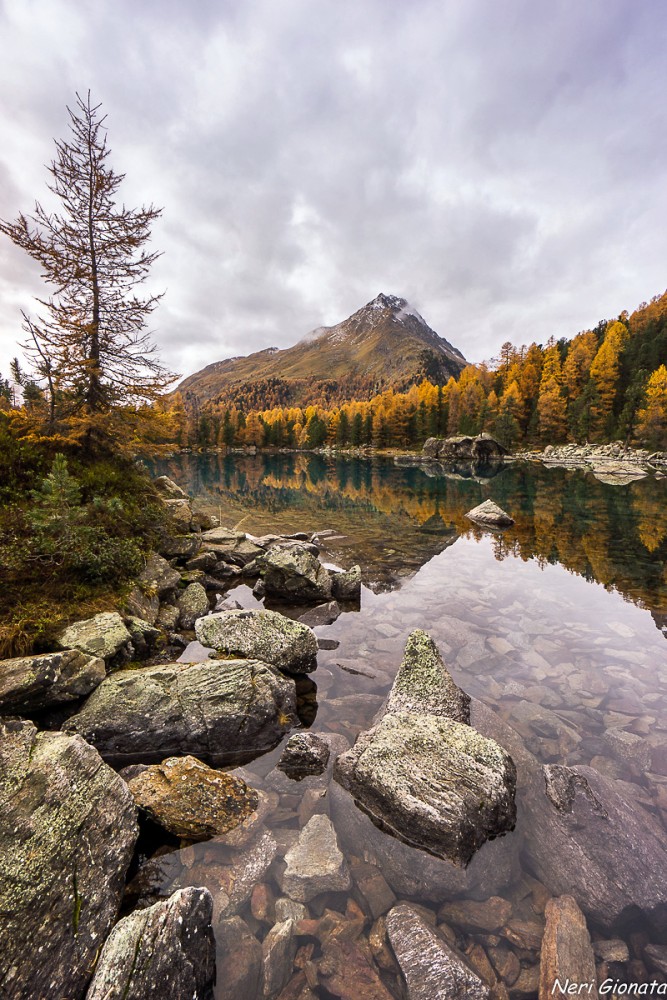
{"x":558,"y":624}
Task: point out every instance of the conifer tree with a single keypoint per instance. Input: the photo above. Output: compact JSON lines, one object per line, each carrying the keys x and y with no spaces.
{"x":90,"y":345}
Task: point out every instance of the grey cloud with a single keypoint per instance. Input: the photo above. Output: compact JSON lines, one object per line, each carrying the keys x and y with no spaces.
{"x":502,"y":165}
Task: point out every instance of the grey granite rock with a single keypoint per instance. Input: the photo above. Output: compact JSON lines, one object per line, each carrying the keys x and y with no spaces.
{"x":104,"y":635}
{"x":225,"y":711}
{"x":192,"y":605}
{"x":167,"y":950}
{"x":32,"y":683}
{"x":67,"y":833}
{"x":423,"y":683}
{"x":490,"y":514}
{"x":304,"y":753}
{"x":291,"y":573}
{"x":431,"y":968}
{"x":262,"y":635}
{"x":432,"y":782}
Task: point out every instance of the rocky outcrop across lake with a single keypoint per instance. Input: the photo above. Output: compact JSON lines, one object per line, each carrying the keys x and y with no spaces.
{"x":262,"y":635}
{"x":191,"y":800}
{"x":165,"y":950}
{"x":482,"y":448}
{"x":33,"y":683}
{"x":67,"y":832}
{"x":616,"y":464}
{"x":225,"y":711}
{"x":429,"y":779}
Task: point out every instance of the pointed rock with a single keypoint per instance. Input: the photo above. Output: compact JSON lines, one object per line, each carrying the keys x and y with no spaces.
{"x":31,"y":683}
{"x":315,"y":863}
{"x":423,"y":683}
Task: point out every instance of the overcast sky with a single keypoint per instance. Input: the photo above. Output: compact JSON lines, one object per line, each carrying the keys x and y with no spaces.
{"x":502,"y":165}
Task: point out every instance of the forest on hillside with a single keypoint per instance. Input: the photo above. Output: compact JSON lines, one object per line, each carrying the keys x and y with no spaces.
{"x":605,"y":384}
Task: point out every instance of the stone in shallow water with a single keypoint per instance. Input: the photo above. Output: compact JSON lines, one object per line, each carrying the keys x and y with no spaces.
{"x":166,"y":949}
{"x":291,"y":573}
{"x":304,"y":753}
{"x":315,"y":863}
{"x":490,"y":514}
{"x":238,"y":961}
{"x":432,"y":970}
{"x":432,"y":782}
{"x":263,"y":635}
{"x":226,"y":711}
{"x":423,"y":683}
{"x":67,"y":833}
{"x":192,"y":800}
{"x":567,"y":954}
{"x":31,"y":683}
{"x":278,"y":951}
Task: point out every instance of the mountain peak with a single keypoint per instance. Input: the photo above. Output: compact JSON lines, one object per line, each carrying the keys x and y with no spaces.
{"x":385,"y":343}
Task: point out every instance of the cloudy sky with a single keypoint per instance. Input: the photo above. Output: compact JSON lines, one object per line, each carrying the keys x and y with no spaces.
{"x":503,"y":166}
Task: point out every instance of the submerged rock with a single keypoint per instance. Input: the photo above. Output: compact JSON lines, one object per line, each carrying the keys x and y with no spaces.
{"x":192,"y":800}
{"x":226,"y":712}
{"x":304,"y":753}
{"x":32,"y":683}
{"x":423,"y":683}
{"x":431,"y":968}
{"x":492,"y":868}
{"x":567,"y":953}
{"x":261,"y":635}
{"x":291,"y":573}
{"x":315,"y":863}
{"x":104,"y":635}
{"x":239,"y":961}
{"x":584,"y":836}
{"x":490,"y":514}
{"x":67,"y":832}
{"x":432,"y":782}
{"x":167,"y":949}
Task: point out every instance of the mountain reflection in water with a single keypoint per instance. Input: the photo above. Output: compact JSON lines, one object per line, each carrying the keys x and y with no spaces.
{"x":394,"y":518}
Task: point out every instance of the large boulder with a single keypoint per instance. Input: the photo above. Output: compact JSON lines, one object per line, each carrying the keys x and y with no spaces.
{"x":431,"y":968}
{"x":490,"y":515}
{"x":33,"y":683}
{"x":231,"y":546}
{"x":191,"y":800}
{"x":67,"y":833}
{"x":423,"y":683}
{"x":432,"y":782}
{"x":224,"y":711}
{"x":584,"y":835}
{"x":158,"y":576}
{"x":167,"y":949}
{"x":293,"y":574}
{"x":104,"y":635}
{"x":261,"y":635}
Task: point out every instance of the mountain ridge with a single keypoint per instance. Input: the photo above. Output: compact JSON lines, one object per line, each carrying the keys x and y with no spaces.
{"x":384,"y":344}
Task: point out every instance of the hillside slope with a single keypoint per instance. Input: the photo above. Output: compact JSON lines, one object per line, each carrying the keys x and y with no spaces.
{"x":384,"y":344}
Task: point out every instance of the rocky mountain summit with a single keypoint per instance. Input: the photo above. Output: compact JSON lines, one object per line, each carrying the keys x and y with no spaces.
{"x":386,"y":343}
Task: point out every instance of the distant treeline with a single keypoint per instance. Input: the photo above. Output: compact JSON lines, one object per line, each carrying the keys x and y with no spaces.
{"x":606,"y":384}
